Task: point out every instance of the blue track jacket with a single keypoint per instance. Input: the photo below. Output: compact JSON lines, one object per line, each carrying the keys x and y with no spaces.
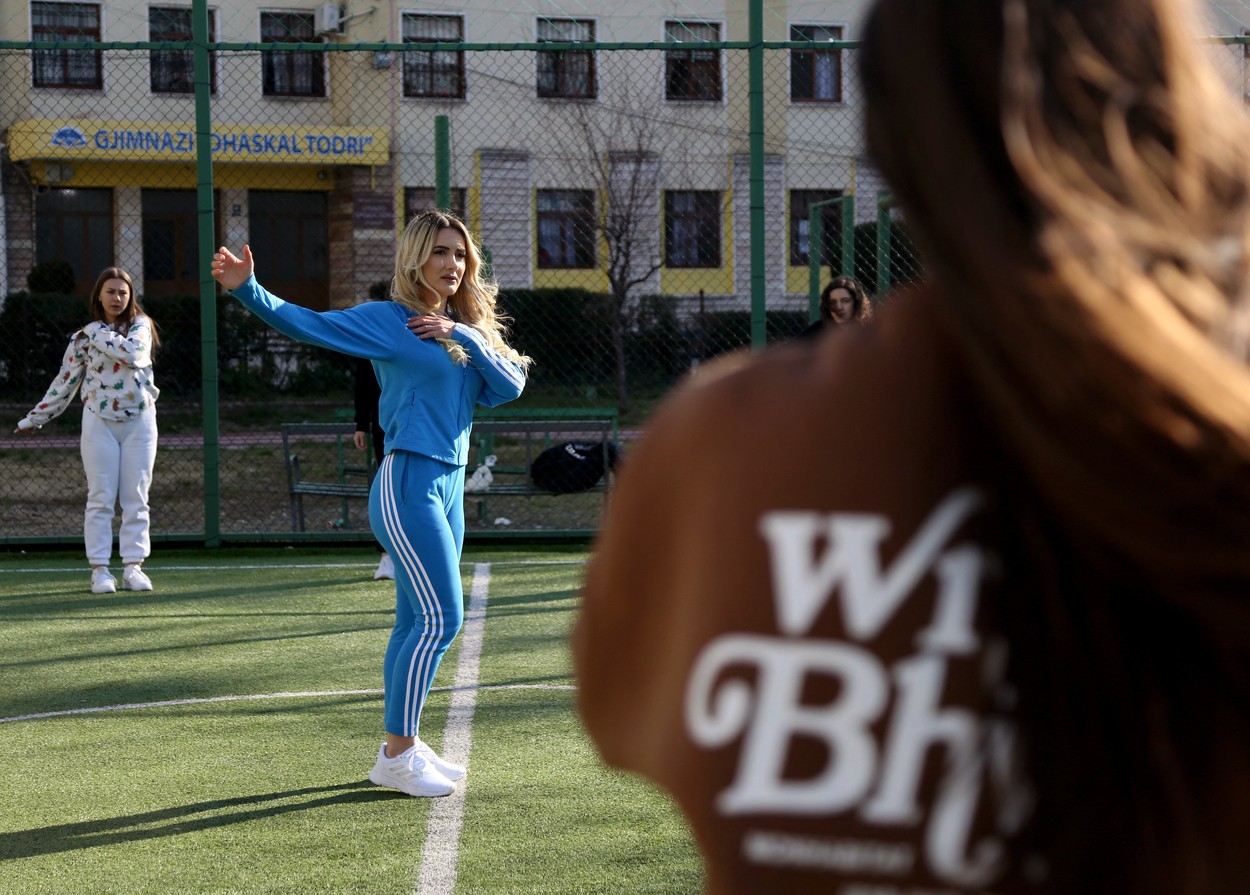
{"x":427,"y":399}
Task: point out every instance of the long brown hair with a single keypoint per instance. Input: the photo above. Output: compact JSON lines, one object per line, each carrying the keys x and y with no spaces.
{"x":133,"y":309}
{"x":861,"y":307}
{"x":1096,"y":269}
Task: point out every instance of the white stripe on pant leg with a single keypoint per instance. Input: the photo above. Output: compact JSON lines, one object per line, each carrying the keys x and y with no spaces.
{"x":441,"y":852}
{"x":403,"y":552}
{"x":406,"y":554}
{"x":432,"y":632}
{"x":393,"y":528}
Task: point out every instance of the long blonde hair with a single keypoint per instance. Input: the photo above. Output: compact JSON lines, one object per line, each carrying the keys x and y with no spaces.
{"x":473,"y":302}
{"x":1078,"y":179}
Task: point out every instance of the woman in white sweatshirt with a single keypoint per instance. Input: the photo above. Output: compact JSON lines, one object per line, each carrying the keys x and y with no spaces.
{"x":109,"y":362}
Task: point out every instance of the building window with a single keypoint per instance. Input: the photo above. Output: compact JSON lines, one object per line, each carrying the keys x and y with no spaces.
{"x":422,"y":198}
{"x":816,"y":75}
{"x":566,"y":74}
{"x":289,"y":232}
{"x":692,"y":74}
{"x":691,"y":228}
{"x":293,"y":73}
{"x":436,"y":73}
{"x":801,"y":202}
{"x":173,"y":71}
{"x":75,"y":226}
{"x":73,"y":69}
{"x":566,"y":228}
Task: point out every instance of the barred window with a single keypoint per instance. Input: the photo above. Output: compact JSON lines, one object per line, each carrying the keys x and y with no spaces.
{"x":692,"y":74}
{"x":173,"y":71}
{"x":423,"y":198}
{"x":801,"y":202}
{"x":816,"y":75}
{"x":566,"y":229}
{"x":566,"y":74}
{"x":434,"y":73}
{"x":692,"y":228}
{"x":71,"y":69}
{"x":294,"y":73}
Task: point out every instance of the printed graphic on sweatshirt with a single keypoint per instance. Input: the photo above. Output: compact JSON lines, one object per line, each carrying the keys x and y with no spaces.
{"x":887,"y":723}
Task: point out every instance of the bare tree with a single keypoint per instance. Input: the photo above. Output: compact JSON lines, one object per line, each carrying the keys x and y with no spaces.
{"x":620,"y":154}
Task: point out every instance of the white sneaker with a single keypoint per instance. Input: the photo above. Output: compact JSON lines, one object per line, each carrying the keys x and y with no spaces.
{"x":134,"y":578}
{"x":410,"y":773}
{"x":386,"y":568}
{"x":448,"y":769}
{"x":102,"y":581}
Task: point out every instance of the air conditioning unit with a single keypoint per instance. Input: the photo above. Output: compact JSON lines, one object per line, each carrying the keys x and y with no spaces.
{"x":328,"y":18}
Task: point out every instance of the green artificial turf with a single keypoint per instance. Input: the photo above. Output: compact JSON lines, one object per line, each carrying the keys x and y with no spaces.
{"x":269,"y":795}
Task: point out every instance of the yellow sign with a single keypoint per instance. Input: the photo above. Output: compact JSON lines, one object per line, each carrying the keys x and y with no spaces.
{"x":132,"y":141}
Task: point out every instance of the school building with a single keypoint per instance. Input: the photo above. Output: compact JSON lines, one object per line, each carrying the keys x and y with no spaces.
{"x":320,"y":157}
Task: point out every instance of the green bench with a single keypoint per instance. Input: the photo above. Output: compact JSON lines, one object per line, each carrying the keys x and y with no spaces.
{"x":338,"y":478}
{"x":518,"y":436}
{"x":515,"y":436}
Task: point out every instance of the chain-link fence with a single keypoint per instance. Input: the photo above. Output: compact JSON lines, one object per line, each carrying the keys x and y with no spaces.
{"x":649,"y":185}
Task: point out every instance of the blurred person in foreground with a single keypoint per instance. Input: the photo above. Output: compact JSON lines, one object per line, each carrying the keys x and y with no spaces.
{"x":982,"y":626}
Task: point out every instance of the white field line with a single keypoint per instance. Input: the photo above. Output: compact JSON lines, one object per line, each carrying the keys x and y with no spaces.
{"x":441,"y":853}
{"x":311,"y":694}
{"x":307,"y":694}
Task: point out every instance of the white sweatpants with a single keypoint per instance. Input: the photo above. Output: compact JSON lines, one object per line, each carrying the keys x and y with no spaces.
{"x":118,"y":459}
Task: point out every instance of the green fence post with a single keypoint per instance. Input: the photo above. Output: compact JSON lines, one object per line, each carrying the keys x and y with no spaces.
{"x":848,"y":235}
{"x":442,"y":162}
{"x":815,"y":242}
{"x":208,"y":287}
{"x":884,"y":238}
{"x":755,"y":92}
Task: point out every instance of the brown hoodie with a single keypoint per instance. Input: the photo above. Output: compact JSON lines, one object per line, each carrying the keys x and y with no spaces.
{"x":784,"y":623}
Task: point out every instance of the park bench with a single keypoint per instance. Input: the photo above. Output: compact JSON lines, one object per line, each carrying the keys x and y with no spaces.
{"x":517,"y":436}
{"x":514,"y":436}
{"x":338,"y":477}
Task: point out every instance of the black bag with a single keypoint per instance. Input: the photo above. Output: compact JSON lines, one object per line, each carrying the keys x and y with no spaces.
{"x":573,"y":466}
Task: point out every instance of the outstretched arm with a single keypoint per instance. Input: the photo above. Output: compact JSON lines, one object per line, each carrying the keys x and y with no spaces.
{"x":62,"y":389}
{"x":355,"y":331}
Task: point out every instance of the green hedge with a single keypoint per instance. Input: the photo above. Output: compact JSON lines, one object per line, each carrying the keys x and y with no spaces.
{"x":905,"y":262}
{"x":567,"y":331}
{"x":253,"y":360}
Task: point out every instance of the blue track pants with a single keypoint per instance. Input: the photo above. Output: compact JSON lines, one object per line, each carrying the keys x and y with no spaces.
{"x":416,"y":510}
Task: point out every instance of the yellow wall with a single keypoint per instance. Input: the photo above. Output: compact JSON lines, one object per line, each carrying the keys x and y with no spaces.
{"x":591,"y":280}
{"x":152,"y":175}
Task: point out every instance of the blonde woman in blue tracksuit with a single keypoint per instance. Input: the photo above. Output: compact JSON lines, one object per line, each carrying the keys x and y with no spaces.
{"x":437,"y":348}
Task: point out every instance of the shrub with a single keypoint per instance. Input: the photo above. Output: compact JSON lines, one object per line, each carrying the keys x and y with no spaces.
{"x":53,"y":276}
{"x":905,"y":262}
{"x":46,"y":321}
{"x":252,"y":359}
{"x":566,"y":331}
